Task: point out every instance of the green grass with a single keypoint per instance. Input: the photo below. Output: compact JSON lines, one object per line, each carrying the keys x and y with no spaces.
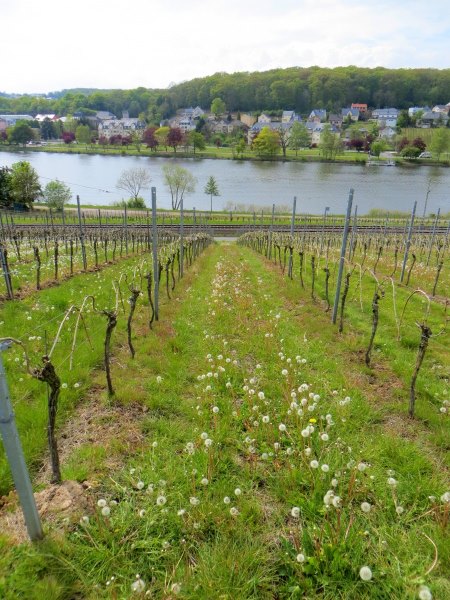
{"x":234,"y":305}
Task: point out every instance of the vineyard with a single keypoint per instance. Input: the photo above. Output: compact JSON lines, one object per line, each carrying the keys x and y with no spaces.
{"x":261,"y":420}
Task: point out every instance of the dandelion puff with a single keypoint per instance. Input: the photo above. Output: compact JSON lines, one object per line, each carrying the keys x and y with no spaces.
{"x":106,"y":511}
{"x":300,"y":558}
{"x":365,"y":507}
{"x":392,"y":482}
{"x":161,"y":500}
{"x":425,"y":593}
{"x":295,"y":512}
{"x":314,"y":464}
{"x":204,"y":481}
{"x":194,"y":501}
{"x":282,"y":427}
{"x":138,"y":586}
{"x":175,"y":588}
{"x":325,"y":468}
{"x":101,"y":503}
{"x":226,"y":500}
{"x":140,"y":485}
{"x":234,"y":511}
{"x":365,"y":573}
{"x":237,"y":492}
{"x":399,"y":510}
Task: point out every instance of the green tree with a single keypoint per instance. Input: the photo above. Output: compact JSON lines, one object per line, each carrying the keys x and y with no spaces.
{"x":299,"y":137}
{"x":133,"y":181}
{"x":440,"y":142}
{"x":6,"y":198}
{"x":48,"y":130}
{"x":25,"y":184}
{"x":239,"y":149}
{"x":136,"y":203}
{"x":196,"y":140}
{"x":377,"y":147}
{"x":212,"y":189}
{"x":83,"y":134}
{"x":21,"y":133}
{"x":161,"y":135}
{"x":267,"y":143}
{"x":330,"y":143}
{"x":179,"y":182}
{"x":57,"y":194}
{"x":218,"y":107}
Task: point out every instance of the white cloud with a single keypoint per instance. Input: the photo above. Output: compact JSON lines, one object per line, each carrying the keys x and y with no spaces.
{"x":151,"y":43}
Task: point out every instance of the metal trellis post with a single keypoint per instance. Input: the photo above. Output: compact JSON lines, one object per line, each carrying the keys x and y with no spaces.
{"x":342,"y":259}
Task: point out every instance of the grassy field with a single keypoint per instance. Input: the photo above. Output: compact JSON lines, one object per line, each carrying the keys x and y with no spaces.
{"x":248,"y":452}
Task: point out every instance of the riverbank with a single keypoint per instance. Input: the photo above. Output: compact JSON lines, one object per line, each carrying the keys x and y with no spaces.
{"x":226,"y":153}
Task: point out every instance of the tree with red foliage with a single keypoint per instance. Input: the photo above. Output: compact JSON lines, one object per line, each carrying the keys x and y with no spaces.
{"x":149,"y":139}
{"x":175,"y":138}
{"x":356,"y":144}
{"x":68,"y":137}
{"x":115,"y":140}
{"x":418,"y":142}
{"x":402,"y":144}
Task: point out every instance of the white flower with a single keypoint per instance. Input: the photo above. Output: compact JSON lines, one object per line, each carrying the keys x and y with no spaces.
{"x":261,"y":395}
{"x":445,"y":497}
{"x":336,"y":501}
{"x":362,"y":466}
{"x":140,"y":485}
{"x":324,"y":437}
{"x":284,"y":372}
{"x":208,"y":442}
{"x":138,"y":586}
{"x":181,"y":512}
{"x":282,"y":427}
{"x":158,"y":379}
{"x":101,"y":503}
{"x":175,"y":588}
{"x":194,"y":501}
{"x":84,"y":520}
{"x":265,"y":419}
{"x":295,"y":512}
{"x":161,"y":500}
{"x":334,"y":482}
{"x":204,"y":481}
{"x":365,"y":507}
{"x":314,"y":464}
{"x":234,"y":511}
{"x":142,"y":513}
{"x":365,"y":573}
{"x":391,"y":481}
{"x":215,"y":409}
{"x":399,"y":510}
{"x":237,"y":492}
{"x":204,"y":436}
{"x":300,"y":558}
{"x":226,"y":500}
{"x":325,"y":468}
{"x":425,"y":593}
{"x":106,"y":511}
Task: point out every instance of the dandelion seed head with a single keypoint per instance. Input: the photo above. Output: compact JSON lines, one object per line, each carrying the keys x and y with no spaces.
{"x":365,"y":573}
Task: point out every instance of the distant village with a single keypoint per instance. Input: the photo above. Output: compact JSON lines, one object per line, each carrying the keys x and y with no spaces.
{"x":107,"y":127}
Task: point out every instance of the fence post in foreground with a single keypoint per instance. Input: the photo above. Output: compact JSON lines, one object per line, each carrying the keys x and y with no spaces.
{"x":13,"y":450}
{"x":83,"y":249}
{"x":294,"y":206}
{"x":271,"y":231}
{"x":6,"y":274}
{"x":353,"y":235}
{"x":432,"y":235}
{"x":408,"y":241}
{"x":155,"y":253}
{"x":181,"y":238}
{"x":342,"y":259}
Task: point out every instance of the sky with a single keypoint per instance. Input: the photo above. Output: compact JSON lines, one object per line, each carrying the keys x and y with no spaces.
{"x":51,"y":45}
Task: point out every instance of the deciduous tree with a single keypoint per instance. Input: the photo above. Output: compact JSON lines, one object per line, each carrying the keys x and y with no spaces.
{"x":299,"y":137}
{"x":21,"y":133}
{"x":25,"y":184}
{"x":179,"y":182}
{"x":267,"y":142}
{"x":218,"y":107}
{"x":6,"y":198}
{"x":57,"y":194}
{"x":133,"y":181}
{"x":440,"y":142}
{"x":196,"y":140}
{"x":174,"y":138}
{"x":330,"y":143}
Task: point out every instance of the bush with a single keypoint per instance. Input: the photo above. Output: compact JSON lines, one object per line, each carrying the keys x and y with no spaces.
{"x":411,"y":152}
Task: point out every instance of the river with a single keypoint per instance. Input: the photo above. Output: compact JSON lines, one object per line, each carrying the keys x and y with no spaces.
{"x":316,"y":185}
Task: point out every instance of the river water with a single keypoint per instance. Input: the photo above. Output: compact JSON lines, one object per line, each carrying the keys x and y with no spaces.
{"x":316,"y":185}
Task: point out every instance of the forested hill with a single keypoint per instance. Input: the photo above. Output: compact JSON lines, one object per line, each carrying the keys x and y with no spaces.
{"x":299,"y":89}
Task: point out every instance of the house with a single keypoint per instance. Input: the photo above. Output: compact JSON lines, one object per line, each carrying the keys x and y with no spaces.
{"x":361,"y":107}
{"x":263,"y":118}
{"x":288,"y":116}
{"x":105,"y":115}
{"x":40,"y":118}
{"x":11,"y":120}
{"x":248,"y":120}
{"x":433,"y":119}
{"x":441,"y":108}
{"x":386,"y":117}
{"x":318,"y":114}
{"x":122,"y":127}
{"x":315,"y":130}
{"x":335,"y":120}
{"x":350,"y":113}
{"x":387,"y":133}
{"x":415,"y":109}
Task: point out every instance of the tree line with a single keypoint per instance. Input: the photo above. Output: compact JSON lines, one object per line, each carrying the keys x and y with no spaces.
{"x":296,"y":88}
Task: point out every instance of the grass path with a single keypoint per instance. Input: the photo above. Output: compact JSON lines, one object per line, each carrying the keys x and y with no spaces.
{"x":259,"y":467}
